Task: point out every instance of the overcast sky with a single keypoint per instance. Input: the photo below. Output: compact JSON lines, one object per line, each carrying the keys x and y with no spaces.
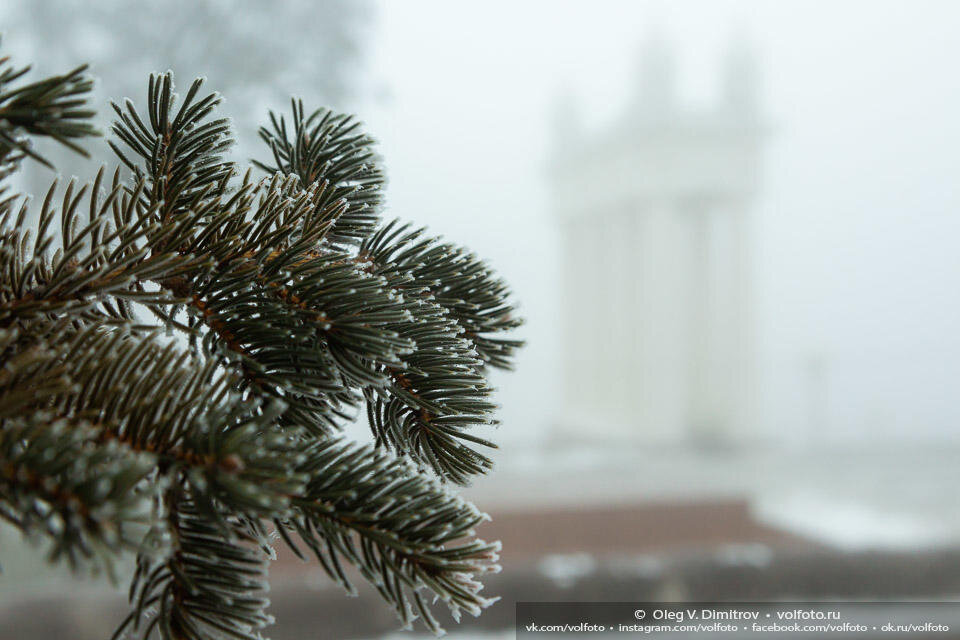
{"x":858,"y":228}
{"x":856,"y":240}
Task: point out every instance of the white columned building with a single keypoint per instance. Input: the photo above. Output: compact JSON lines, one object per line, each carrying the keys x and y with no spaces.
{"x":655,"y":217}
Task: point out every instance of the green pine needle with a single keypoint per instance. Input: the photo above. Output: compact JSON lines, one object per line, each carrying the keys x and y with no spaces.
{"x":296,"y":308}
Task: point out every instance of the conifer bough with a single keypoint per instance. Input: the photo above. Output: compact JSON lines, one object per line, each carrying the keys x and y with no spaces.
{"x":297,"y":307}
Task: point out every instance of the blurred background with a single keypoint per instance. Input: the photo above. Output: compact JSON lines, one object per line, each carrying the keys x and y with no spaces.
{"x":731,"y":225}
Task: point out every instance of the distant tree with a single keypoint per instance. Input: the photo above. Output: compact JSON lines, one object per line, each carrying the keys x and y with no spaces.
{"x":251,"y":51}
{"x":298,"y":306}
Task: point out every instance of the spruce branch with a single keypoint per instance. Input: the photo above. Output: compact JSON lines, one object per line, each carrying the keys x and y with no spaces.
{"x":427,"y":409}
{"x":455,"y":279}
{"x":461,"y":309}
{"x":329,"y":149}
{"x":209,"y":586}
{"x":58,"y":482}
{"x":183,"y":153}
{"x":76,"y":267}
{"x":54,"y":107}
{"x":297,"y":310}
{"x":141,"y":393}
{"x":406,"y":533}
{"x":322,"y":320}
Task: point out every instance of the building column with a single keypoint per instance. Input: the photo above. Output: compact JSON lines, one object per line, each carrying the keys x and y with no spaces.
{"x":662,"y":317}
{"x":721,"y":371}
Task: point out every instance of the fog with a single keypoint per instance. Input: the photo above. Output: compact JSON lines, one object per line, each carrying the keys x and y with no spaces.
{"x":834,"y":350}
{"x":856,"y":219}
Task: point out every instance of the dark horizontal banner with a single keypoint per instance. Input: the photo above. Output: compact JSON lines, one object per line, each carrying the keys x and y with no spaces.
{"x":740,"y":620}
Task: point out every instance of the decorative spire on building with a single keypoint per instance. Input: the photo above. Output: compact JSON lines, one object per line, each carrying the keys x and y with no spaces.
{"x":567,"y":122}
{"x":657,"y":86}
{"x":740,"y":88}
